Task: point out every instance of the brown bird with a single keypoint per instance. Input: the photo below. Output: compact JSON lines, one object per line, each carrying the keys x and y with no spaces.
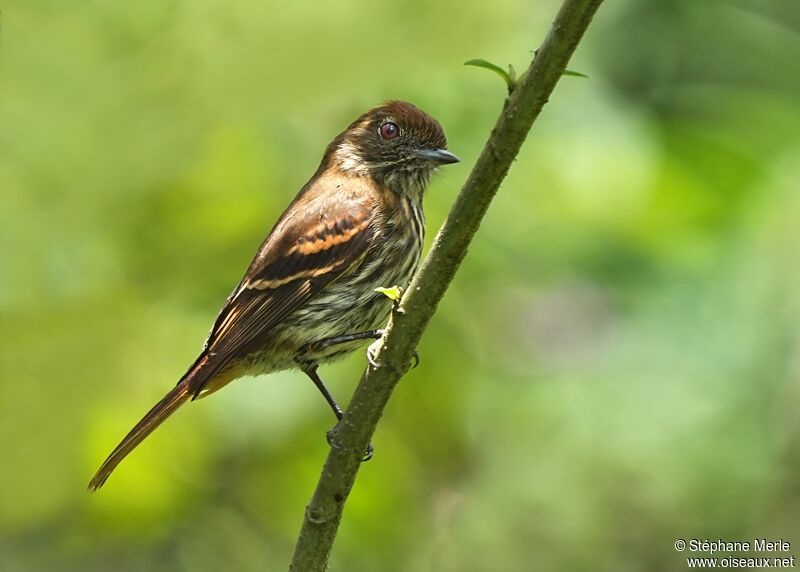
{"x":309,"y":295}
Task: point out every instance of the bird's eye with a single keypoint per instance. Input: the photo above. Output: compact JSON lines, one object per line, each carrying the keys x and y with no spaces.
{"x":389,"y":130}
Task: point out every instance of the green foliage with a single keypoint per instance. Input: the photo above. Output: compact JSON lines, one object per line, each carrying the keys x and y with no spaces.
{"x":394,"y":293}
{"x":510,"y":76}
{"x":616,"y":363}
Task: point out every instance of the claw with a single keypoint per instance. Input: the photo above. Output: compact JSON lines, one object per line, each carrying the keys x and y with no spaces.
{"x":416,"y":359}
{"x":371,"y":357}
{"x":368,"y":455}
{"x":330,"y":437}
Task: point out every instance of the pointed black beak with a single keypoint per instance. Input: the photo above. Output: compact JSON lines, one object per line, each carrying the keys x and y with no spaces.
{"x":438,"y":156}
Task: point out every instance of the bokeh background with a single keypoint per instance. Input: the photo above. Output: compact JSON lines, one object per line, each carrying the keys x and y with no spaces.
{"x":617,"y":364}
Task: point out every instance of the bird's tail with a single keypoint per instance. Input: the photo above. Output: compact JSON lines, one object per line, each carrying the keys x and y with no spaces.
{"x":163,"y":409}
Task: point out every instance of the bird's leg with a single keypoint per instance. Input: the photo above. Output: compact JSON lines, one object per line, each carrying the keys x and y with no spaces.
{"x":335,"y":340}
{"x":311,"y":371}
{"x":319,"y":345}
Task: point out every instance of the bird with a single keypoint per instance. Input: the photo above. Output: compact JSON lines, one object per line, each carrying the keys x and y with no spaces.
{"x":309,"y":296}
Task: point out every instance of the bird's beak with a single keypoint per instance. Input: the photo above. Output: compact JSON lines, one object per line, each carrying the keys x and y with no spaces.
{"x":438,"y":156}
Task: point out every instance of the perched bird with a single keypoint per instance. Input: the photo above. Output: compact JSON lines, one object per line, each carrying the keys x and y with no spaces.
{"x":309,"y":295}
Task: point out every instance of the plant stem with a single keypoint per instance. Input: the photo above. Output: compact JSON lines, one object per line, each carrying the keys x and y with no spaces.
{"x":324,"y":512}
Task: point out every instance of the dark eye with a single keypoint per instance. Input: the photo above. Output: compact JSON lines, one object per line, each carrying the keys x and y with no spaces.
{"x":389,"y":130}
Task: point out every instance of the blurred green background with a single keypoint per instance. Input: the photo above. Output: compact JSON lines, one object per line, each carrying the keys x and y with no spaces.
{"x":616,"y":365}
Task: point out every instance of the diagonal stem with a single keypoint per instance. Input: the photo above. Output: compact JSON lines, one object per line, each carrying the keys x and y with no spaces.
{"x":324,"y":511}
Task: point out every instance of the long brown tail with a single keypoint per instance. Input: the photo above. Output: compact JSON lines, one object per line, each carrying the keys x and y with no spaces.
{"x":143,"y":428}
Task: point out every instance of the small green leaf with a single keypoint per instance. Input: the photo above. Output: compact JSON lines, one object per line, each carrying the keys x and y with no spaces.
{"x":512,"y":74}
{"x":506,"y":75}
{"x":575,"y":74}
{"x":394,"y":293}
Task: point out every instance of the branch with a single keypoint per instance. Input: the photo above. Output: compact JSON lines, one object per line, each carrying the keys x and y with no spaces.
{"x":408,"y":322}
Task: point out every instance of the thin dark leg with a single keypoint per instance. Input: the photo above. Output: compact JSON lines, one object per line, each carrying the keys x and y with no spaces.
{"x":311,"y":371}
{"x":335,"y":340}
{"x":368,"y":335}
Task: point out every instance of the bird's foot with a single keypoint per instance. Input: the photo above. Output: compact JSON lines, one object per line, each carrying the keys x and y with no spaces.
{"x":368,"y":455}
{"x":372,"y":349}
{"x":331,"y":438}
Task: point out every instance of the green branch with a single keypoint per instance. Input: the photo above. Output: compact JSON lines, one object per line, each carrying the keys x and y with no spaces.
{"x":408,"y":322}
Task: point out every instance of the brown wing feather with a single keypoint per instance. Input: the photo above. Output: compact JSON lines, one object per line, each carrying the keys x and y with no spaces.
{"x":316,"y":241}
{"x":313,"y":244}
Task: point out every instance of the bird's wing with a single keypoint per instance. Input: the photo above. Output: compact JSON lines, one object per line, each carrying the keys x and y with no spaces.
{"x":313,"y":244}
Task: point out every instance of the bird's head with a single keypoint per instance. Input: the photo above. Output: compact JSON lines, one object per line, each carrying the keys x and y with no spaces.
{"x":397,"y":144}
